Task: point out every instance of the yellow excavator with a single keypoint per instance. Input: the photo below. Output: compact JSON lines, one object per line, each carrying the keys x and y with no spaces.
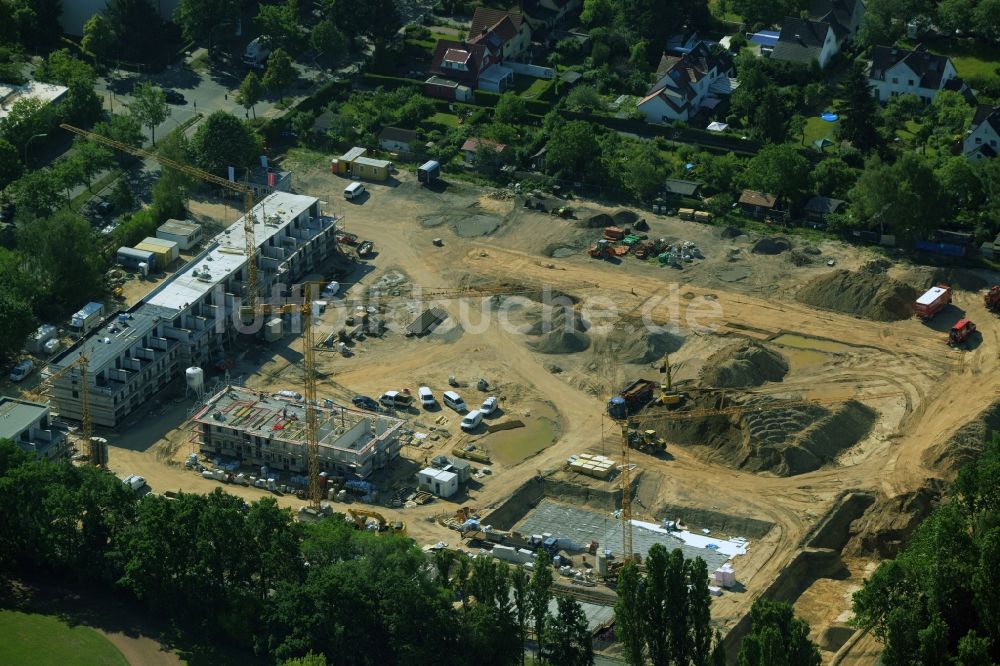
{"x":668,"y":396}
{"x":361,"y":517}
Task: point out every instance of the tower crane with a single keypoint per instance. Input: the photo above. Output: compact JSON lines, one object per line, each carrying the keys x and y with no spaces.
{"x":93,"y":450}
{"x":248,"y":217}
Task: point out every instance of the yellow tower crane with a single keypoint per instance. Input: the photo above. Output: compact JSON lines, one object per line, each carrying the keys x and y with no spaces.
{"x":79,"y":365}
{"x":248,"y":217}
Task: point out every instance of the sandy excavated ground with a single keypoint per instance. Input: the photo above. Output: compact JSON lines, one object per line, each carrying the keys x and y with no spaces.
{"x":921,"y":388}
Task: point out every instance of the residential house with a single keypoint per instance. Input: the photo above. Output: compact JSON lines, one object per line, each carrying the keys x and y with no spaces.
{"x":984,"y":137}
{"x":682,"y":42}
{"x":397,"y":140}
{"x":758,"y":205}
{"x":545,"y":14}
{"x":896,"y":71}
{"x":818,"y":208}
{"x":844,"y":16}
{"x":472,"y":146}
{"x":806,"y":41}
{"x":29,"y":425}
{"x":507,"y":27}
{"x":687,"y":83}
{"x":476,"y":65}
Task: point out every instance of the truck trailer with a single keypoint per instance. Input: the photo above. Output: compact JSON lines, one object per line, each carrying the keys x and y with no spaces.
{"x":932,"y":301}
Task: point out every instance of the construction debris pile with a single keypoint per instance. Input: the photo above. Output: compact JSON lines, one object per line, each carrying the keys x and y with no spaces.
{"x":768,"y":245}
{"x":868,"y":293}
{"x":743,"y":364}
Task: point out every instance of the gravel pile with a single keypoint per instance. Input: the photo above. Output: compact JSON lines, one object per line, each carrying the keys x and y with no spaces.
{"x":865,"y":293}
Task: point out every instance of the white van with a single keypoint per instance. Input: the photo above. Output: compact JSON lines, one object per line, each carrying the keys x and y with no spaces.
{"x":426,"y":397}
{"x":454,"y":401}
{"x":472,"y":420}
{"x":354,"y":190}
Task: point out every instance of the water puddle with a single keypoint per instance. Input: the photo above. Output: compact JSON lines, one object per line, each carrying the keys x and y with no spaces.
{"x":509,"y":447}
{"x":804,"y":352}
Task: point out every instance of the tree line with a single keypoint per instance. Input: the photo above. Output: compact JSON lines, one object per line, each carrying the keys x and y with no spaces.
{"x":938,"y":602}
{"x":248,"y":574}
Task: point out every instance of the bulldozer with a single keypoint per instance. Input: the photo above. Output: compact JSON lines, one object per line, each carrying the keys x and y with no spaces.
{"x":362,"y":519}
{"x":647,"y":441}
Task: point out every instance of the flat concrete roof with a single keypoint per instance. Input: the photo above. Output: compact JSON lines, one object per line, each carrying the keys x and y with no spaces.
{"x":16,"y":415}
{"x":104,"y":344}
{"x":179,"y":228}
{"x":46,"y":93}
{"x":367,"y":161}
{"x":278,"y":418}
{"x":439,"y":474}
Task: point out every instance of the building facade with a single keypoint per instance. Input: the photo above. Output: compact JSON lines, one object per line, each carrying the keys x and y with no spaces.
{"x":983,"y":140}
{"x":897,"y":71}
{"x":269,"y":430}
{"x":30,"y":426}
{"x":192,"y":317}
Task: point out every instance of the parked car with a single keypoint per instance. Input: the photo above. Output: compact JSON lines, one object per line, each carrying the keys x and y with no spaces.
{"x":489,"y":405}
{"x":364,"y":402}
{"x":472,"y":420}
{"x":454,"y":401}
{"x":426,"y":397}
{"x":135,"y":482}
{"x":174,"y":97}
{"x":22,"y":370}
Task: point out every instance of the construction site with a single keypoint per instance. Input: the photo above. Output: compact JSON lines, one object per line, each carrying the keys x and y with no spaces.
{"x":768,"y":404}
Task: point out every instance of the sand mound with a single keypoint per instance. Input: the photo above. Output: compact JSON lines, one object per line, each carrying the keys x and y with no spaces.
{"x":625,"y":218}
{"x":775,"y":245}
{"x":967,"y":442}
{"x":743,"y":363}
{"x":639,"y":346}
{"x":799,"y":450}
{"x":885,"y":527}
{"x":551,"y":319}
{"x":598,"y":221}
{"x":868,"y":294}
{"x":956,"y":277}
{"x":731,"y":232}
{"x":561,"y":341}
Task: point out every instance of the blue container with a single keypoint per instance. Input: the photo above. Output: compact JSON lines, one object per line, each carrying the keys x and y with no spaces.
{"x":617,"y":408}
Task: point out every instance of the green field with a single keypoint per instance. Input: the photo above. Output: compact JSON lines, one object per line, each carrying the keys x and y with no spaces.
{"x":816,"y":128}
{"x":40,"y":640}
{"x":970,"y":58}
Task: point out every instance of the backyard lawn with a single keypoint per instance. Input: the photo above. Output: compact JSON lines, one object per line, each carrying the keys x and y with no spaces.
{"x":816,"y":129}
{"x":447,"y":120}
{"x":970,"y":58}
{"x":41,"y":640}
{"x":529,"y":87}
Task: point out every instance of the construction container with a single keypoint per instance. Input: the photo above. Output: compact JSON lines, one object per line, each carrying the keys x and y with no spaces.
{"x":185,"y":234}
{"x":273,"y":330}
{"x":129,"y":258}
{"x":370,"y":169}
{"x":686,"y":213}
{"x":165,"y":252}
{"x":932,"y":301}
{"x":429,"y":171}
{"x":42,"y":335}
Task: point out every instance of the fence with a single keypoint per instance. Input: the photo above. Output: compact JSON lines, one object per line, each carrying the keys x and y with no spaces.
{"x":531,"y":70}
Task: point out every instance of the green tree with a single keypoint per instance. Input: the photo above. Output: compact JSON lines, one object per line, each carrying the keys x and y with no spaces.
{"x":27,"y":117}
{"x":644,"y":172}
{"x":81,"y":105}
{"x":279,"y":74}
{"x":250,"y":91}
{"x":521,"y":595}
{"x":311,"y":659}
{"x":955,"y":14}
{"x":199,"y":19}
{"x":94,"y":158}
{"x":10,"y":163}
{"x":572,"y":150}
{"x":62,"y":68}
{"x":597,"y":13}
{"x":279,"y":25}
{"x":987,"y":17}
{"x":510,"y":108}
{"x":833,"y":177}
{"x":628,"y":616}
{"x":222,"y":140}
{"x":37,"y":192}
{"x":149,"y":107}
{"x":777,"y":637}
{"x":779,"y":169}
{"x":540,"y":594}
{"x":698,"y":611}
{"x":137,"y":27}
{"x":19,"y":321}
{"x":567,"y":640}
{"x":327,"y":40}
{"x":583,"y":97}
{"x":62,"y":254}
{"x":769,"y":119}
{"x":902,"y":197}
{"x":122,"y":195}
{"x":98,"y":37}
{"x":859,"y":111}
{"x":123,"y":128}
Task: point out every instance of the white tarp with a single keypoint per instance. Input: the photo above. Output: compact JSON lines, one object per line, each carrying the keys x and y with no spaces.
{"x":717,"y":127}
{"x":729,"y":547}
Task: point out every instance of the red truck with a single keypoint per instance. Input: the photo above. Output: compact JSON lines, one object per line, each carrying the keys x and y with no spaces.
{"x":992,"y":299}
{"x":933,"y":301}
{"x":637,"y":394}
{"x":960,"y":332}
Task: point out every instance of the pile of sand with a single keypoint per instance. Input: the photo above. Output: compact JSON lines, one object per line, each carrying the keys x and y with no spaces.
{"x":956,"y":277}
{"x":966,"y":444}
{"x":599,"y":221}
{"x":639,"y":346}
{"x":561,"y":341}
{"x":731,"y":232}
{"x":550,"y":319}
{"x":866,"y":293}
{"x":769,"y":245}
{"x":624,"y":218}
{"x":885,"y":527}
{"x":744,"y":363}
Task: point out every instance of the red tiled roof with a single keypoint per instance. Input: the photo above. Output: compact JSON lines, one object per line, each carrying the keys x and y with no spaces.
{"x":486,"y":18}
{"x":474,"y":143}
{"x":754,"y":198}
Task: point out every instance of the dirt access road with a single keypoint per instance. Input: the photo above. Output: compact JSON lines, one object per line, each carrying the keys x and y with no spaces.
{"x":929,"y":384}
